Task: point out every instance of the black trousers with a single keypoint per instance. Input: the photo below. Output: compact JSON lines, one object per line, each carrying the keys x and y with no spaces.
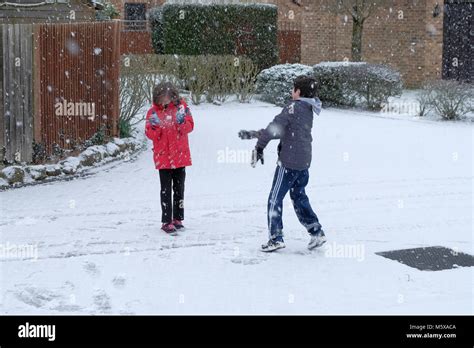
{"x":172,"y":205}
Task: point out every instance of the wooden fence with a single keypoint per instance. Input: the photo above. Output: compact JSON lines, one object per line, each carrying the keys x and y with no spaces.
{"x":16,"y":92}
{"x":59,"y":85}
{"x":78,"y":82}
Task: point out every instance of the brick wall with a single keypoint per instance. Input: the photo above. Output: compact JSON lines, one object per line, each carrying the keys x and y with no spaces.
{"x":402,"y":34}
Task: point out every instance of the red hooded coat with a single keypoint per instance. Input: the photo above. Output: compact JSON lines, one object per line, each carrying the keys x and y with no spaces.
{"x":170,"y":139}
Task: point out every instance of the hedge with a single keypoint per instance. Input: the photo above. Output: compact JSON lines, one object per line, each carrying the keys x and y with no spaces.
{"x":274,"y":84}
{"x":235,"y":29}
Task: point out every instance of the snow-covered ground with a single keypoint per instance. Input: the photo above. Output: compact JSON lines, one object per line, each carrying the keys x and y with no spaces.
{"x":377,"y":184}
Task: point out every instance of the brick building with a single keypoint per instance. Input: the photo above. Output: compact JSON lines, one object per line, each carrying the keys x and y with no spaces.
{"x":413,"y":36}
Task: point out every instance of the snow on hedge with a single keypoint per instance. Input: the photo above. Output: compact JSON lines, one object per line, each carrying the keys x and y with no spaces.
{"x":357,"y":84}
{"x":274,"y":85}
{"x":339,"y":64}
{"x":351,"y":84}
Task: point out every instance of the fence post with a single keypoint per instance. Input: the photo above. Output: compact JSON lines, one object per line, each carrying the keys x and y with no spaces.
{"x":2,"y":108}
{"x":37,"y":135}
{"x":116,"y":78}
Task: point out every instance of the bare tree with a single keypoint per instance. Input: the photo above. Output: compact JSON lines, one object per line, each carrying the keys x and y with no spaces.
{"x":359,"y":10}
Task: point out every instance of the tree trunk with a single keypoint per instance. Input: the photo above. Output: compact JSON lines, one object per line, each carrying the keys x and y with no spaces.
{"x":357,"y":28}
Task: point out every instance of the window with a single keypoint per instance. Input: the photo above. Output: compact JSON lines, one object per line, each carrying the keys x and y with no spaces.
{"x":135,"y":12}
{"x":135,"y":16}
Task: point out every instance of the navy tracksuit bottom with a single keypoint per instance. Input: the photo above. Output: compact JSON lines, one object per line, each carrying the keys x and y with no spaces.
{"x":294,"y":181}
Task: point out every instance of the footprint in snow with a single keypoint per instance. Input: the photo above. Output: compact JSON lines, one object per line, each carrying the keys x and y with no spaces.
{"x":247,"y":261}
{"x":91,"y":268}
{"x":57,"y":299}
{"x":119,"y":281}
{"x":101,"y":301}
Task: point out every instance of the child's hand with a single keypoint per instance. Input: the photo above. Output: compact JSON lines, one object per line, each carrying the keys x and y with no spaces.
{"x":180,"y":114}
{"x":257,"y":155}
{"x":154,"y":120}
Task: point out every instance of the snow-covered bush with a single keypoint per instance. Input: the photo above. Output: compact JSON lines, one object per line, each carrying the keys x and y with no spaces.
{"x":451,"y":99}
{"x":37,"y":172}
{"x":357,"y":84}
{"x":274,"y":85}
{"x":339,"y":83}
{"x":13,"y":174}
{"x":70,"y":165}
{"x":92,"y":155}
{"x":53,"y":170}
{"x":375,"y":83}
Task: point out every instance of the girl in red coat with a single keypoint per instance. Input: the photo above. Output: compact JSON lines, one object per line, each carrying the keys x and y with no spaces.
{"x":168,"y":123}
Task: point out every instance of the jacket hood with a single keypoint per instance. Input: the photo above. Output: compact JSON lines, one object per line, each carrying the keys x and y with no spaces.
{"x":315,"y":104}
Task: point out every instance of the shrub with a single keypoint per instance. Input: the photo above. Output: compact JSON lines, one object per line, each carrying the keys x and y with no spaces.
{"x":375,"y":83}
{"x":274,"y":85}
{"x":451,"y":99}
{"x":197,"y":75}
{"x":335,"y":87}
{"x":196,"y":29}
{"x":357,"y":84}
{"x":125,"y":128}
{"x":39,"y":153}
{"x":215,"y":77}
{"x":424,"y":99}
{"x":100,"y":136}
{"x":109,"y":11}
{"x":133,"y":97}
{"x":339,"y":83}
{"x":244,"y":80}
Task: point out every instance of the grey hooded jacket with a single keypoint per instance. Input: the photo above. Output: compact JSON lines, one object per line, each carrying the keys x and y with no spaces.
{"x":293,"y":127}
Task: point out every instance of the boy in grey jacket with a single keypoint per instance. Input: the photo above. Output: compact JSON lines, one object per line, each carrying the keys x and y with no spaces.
{"x":293,"y":127}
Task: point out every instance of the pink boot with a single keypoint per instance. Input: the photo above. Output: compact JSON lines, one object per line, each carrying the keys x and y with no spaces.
{"x":178,"y":224}
{"x":168,"y":228}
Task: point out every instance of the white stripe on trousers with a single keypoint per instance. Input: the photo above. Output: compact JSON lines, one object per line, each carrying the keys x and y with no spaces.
{"x":276,"y":189}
